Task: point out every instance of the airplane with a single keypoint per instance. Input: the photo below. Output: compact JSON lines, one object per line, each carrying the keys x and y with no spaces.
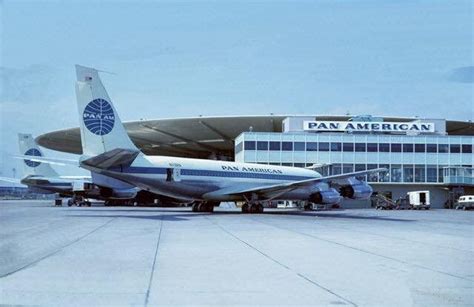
{"x":42,"y":178}
{"x":39,"y":176}
{"x":108,"y":150}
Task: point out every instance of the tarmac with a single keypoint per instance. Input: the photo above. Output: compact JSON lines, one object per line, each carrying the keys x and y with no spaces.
{"x":171,"y":256}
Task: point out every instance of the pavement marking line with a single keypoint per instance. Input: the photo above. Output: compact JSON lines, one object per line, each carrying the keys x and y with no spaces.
{"x":365,"y":251}
{"x":150,"y":281}
{"x":282,"y":264}
{"x":58,"y":250}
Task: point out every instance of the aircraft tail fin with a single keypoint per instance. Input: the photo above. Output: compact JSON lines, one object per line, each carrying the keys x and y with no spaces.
{"x":28,"y":147}
{"x":100,"y":125}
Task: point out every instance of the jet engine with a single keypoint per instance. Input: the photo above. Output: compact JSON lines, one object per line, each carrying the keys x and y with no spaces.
{"x":359,"y":190}
{"x":329,"y":196}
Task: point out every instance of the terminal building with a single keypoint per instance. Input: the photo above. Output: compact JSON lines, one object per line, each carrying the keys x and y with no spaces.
{"x":419,"y":153}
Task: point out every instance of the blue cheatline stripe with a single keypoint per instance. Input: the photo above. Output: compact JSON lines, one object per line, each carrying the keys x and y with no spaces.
{"x":211,"y":173}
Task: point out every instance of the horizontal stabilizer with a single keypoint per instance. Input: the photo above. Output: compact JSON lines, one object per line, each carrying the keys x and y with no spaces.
{"x":113,"y":158}
{"x":11,"y":180}
{"x":55,"y":161}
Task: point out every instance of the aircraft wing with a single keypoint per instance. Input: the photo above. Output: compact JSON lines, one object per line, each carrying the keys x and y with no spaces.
{"x":9,"y":179}
{"x":56,"y":161}
{"x":273,"y":191}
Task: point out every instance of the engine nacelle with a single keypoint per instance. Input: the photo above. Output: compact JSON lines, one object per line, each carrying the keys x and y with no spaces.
{"x":329,"y":196}
{"x":356,"y":191}
{"x":118,"y":193}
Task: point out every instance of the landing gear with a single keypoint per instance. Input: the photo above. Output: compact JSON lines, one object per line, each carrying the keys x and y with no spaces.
{"x":78,"y":200}
{"x":252,"y":208}
{"x":203,"y":207}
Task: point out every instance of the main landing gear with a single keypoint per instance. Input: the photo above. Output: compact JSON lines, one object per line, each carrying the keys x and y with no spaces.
{"x":203,"y":207}
{"x":78,"y":200}
{"x":252,"y":208}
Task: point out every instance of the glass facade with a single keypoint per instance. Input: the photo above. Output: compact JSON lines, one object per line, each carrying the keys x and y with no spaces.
{"x":408,"y":159}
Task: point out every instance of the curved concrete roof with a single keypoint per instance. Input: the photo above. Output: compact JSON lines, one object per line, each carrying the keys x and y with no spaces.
{"x":202,"y":137}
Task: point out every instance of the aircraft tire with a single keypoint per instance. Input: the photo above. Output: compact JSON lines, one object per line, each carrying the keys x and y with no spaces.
{"x":245,"y":208}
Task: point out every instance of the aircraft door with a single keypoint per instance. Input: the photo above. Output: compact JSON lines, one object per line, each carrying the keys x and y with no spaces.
{"x":173,"y":174}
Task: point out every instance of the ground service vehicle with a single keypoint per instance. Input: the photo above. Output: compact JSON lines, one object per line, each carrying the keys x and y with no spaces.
{"x":465,"y":202}
{"x":419,"y":200}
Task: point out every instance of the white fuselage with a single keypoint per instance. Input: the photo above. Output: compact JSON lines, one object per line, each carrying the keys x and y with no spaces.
{"x":196,"y":179}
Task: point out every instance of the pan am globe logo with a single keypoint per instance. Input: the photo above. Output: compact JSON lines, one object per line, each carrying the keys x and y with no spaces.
{"x":32,"y":152}
{"x":99,"y":117}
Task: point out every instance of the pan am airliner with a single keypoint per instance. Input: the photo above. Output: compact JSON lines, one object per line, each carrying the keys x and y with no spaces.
{"x":108,"y":150}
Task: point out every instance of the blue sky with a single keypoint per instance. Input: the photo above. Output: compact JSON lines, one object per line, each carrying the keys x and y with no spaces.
{"x":179,"y":58}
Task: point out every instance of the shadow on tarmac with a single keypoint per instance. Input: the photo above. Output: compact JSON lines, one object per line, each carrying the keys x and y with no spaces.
{"x":181,"y":215}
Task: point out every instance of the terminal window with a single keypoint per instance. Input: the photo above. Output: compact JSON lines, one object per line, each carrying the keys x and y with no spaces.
{"x":419,"y":173}
{"x":407,"y":147}
{"x":262,"y":145}
{"x":443,"y":148}
{"x":360,"y":147}
{"x":384,"y":147}
{"x":348,"y":147}
{"x":396,"y":174}
{"x":351,"y":147}
{"x":431,"y":148}
{"x":419,"y":147}
{"x":372,"y":177}
{"x":299,"y":146}
{"x":287,"y":146}
{"x":335,"y":146}
{"x":238,"y":147}
{"x":371,"y":147}
{"x":347,"y":168}
{"x":431,"y":173}
{"x":275,"y":145}
{"x":455,"y":148}
{"x":385,"y":176}
{"x":407,"y":173}
{"x":396,"y":147}
{"x":466,"y":148}
{"x":249,"y":145}
{"x":311,"y":146}
{"x":323,"y":146}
